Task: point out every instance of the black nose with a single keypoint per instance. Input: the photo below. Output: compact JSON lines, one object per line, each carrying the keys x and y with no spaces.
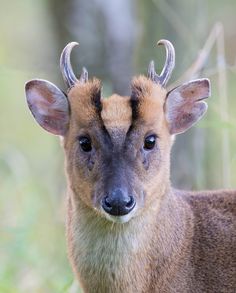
{"x":118,"y":203}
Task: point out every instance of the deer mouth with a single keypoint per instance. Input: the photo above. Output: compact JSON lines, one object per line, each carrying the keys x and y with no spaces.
{"x":121,"y":219}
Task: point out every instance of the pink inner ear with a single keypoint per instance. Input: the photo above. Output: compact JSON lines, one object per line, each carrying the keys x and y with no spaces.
{"x":184,"y":105}
{"x":48,"y":105}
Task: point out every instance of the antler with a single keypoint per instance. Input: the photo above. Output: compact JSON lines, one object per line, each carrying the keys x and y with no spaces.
{"x":168,"y":67}
{"x":66,"y":68}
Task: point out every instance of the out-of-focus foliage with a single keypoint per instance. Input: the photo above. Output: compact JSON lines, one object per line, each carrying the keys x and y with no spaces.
{"x":32,"y":185}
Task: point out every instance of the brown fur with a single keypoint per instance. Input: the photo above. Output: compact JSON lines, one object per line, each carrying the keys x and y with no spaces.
{"x":177,"y":241}
{"x":173,"y":241}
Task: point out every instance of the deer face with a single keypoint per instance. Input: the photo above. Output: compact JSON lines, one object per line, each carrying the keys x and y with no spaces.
{"x":117,"y":149}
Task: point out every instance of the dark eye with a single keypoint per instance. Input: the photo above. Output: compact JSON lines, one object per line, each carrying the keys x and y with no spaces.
{"x":149,"y":142}
{"x":85,"y":143}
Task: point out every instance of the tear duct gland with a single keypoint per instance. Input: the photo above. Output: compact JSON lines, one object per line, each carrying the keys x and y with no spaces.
{"x":128,"y":230}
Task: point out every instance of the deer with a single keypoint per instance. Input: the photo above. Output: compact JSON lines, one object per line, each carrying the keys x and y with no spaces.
{"x":127,"y":228}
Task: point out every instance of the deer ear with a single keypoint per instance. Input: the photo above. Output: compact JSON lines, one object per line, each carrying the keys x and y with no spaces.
{"x":184,"y":105}
{"x":49,"y":105}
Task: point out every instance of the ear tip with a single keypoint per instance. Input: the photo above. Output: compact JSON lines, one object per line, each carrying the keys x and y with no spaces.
{"x":208,"y":85}
{"x":28,"y":84}
{"x":31,"y":83}
{"x":205,"y":80}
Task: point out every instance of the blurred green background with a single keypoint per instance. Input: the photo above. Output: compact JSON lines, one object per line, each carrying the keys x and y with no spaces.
{"x":117,"y":39}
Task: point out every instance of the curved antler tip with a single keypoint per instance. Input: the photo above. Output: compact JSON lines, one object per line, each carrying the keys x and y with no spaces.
{"x":168,"y":66}
{"x":164,"y":42}
{"x":73,"y":44}
{"x":160,"y":42}
{"x":69,"y":47}
{"x":66,"y":67}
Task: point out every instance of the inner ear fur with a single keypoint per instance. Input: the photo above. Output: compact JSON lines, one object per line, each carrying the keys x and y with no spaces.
{"x":184,"y":105}
{"x":49,"y":105}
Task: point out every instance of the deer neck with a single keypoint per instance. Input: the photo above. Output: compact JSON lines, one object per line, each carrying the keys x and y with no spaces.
{"x":123,"y":254}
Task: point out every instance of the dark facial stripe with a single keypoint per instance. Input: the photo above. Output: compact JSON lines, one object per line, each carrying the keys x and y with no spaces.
{"x":96,"y":102}
{"x":134,"y":106}
{"x":135,"y":102}
{"x":96,"y":99}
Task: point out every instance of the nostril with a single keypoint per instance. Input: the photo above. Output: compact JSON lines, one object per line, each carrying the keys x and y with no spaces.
{"x":106,"y":201}
{"x":130,"y":203}
{"x":106,"y":204}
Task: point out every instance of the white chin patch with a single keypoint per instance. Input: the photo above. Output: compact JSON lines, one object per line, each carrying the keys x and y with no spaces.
{"x":119,"y":219}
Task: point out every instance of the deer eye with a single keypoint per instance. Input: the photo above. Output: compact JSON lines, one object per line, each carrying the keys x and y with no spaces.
{"x":85,"y":143}
{"x":149,"y":142}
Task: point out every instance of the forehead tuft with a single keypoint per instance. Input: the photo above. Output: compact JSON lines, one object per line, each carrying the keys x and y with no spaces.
{"x":145,"y":105}
{"x":116,"y":112}
{"x":147,"y":100}
{"x":85,"y":101}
